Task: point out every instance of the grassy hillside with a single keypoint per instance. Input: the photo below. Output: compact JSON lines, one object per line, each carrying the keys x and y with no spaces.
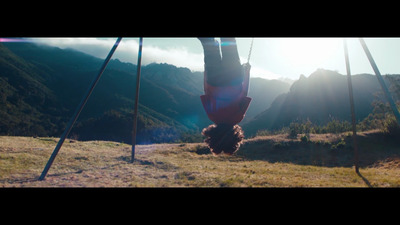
{"x":269,"y":161}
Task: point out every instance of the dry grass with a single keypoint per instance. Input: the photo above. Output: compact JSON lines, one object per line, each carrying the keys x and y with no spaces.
{"x":271,"y":161}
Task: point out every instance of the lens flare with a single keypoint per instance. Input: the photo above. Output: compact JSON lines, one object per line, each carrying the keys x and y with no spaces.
{"x":3,"y":40}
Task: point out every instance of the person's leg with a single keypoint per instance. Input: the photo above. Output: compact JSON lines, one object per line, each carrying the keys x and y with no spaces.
{"x":230,"y":55}
{"x":212,"y":56}
{"x":212,"y":61}
{"x":231,"y":62}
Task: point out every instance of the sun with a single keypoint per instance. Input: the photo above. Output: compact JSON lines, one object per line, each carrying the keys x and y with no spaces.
{"x":308,"y":51}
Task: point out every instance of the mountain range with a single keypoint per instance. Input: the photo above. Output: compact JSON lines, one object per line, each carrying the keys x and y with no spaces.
{"x":41,"y":86}
{"x":320,"y":98}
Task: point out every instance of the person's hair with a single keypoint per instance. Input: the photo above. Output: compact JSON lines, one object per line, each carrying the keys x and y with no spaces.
{"x":223,"y":138}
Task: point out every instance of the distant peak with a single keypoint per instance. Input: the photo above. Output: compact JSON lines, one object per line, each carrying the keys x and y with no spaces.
{"x":325,"y":72}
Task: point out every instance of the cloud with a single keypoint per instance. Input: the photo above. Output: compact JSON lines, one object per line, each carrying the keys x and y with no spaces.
{"x":92,"y":46}
{"x":257,"y":71}
{"x":128,"y":49}
{"x":180,"y":57}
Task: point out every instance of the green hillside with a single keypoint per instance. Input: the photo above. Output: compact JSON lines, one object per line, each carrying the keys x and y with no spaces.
{"x":42,"y":85}
{"x":320,"y":98}
{"x":63,"y":76}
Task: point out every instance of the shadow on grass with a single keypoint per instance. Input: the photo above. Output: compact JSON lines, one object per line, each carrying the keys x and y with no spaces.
{"x":366,"y":181}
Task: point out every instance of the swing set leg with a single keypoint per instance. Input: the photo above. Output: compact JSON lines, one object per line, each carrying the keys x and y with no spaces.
{"x":385,"y":89}
{"x":353,"y":114}
{"x":78,"y":111}
{"x":136,"y":99}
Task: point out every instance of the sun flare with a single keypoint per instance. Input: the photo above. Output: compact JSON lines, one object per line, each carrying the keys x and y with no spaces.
{"x":308,"y":51}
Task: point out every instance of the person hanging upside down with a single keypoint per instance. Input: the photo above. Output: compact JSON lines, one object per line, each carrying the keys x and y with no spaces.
{"x":226,"y":84}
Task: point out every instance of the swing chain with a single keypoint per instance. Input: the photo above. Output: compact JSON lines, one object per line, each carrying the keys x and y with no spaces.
{"x":251,"y":48}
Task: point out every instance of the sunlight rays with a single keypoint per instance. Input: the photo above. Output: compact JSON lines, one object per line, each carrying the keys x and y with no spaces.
{"x":310,"y":51}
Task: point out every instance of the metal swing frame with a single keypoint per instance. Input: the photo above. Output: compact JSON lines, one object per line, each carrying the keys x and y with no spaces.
{"x":110,"y":54}
{"x":385,"y":89}
{"x":86,"y":98}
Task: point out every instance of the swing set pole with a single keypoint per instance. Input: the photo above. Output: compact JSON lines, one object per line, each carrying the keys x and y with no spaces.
{"x":352,"y":108}
{"x":139,"y":65}
{"x":381,"y":81}
{"x":78,"y":110}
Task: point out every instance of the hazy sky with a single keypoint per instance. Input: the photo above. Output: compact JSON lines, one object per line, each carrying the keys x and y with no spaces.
{"x":271,"y":58}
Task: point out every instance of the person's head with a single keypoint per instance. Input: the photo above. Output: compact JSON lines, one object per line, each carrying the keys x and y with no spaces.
{"x":223,"y":138}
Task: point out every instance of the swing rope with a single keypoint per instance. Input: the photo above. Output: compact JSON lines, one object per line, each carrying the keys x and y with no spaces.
{"x":251,"y":48}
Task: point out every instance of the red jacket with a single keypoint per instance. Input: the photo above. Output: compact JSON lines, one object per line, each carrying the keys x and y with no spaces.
{"x":228,"y":104}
